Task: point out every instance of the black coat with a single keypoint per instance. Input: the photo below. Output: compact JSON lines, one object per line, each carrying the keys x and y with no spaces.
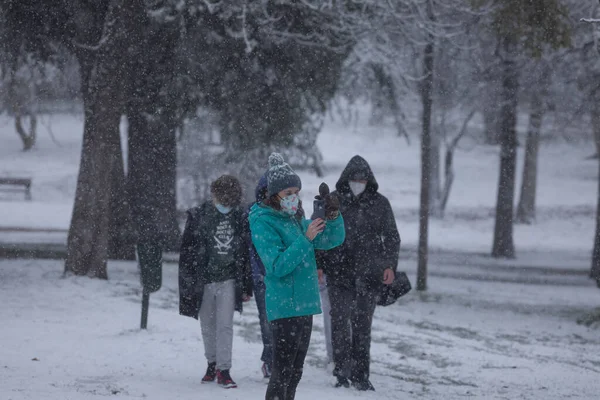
{"x":193,"y":257}
{"x":372,"y":240}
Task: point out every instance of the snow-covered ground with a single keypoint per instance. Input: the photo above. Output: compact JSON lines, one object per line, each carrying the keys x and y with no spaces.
{"x":485,"y":329}
{"x":78,"y":338}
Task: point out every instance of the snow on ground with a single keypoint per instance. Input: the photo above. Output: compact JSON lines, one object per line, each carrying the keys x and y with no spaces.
{"x":78,"y":338}
{"x":485,"y":328}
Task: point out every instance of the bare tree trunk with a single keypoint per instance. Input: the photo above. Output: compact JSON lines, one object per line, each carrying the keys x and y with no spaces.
{"x":388,"y":87}
{"x":490,"y":113}
{"x":87,"y":246}
{"x":526,"y":207}
{"x":503,"y":245}
{"x":20,"y":107}
{"x":490,"y":97}
{"x":152,"y":162}
{"x":427,"y":102}
{"x":595,"y":270}
{"x":449,"y":162}
{"x":435,"y":190}
{"x":152,"y":179}
{"x":448,"y":178}
{"x":121,"y":245}
{"x":28,"y":138}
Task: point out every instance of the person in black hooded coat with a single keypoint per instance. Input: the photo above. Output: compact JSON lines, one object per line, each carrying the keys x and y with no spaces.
{"x":357,"y":270}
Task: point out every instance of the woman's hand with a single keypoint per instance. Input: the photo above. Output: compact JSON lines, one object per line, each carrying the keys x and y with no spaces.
{"x":388,"y":276}
{"x":315,"y":227}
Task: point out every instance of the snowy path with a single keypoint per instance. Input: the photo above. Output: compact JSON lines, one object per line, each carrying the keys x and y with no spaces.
{"x":461,"y":339}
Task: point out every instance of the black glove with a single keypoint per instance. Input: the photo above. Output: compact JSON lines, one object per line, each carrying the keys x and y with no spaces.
{"x":326,"y":205}
{"x":331,"y":202}
{"x":332,"y":206}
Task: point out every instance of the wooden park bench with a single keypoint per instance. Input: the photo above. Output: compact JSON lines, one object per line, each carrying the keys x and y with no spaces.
{"x":16,"y":184}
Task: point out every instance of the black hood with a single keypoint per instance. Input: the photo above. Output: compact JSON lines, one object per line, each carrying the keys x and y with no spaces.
{"x":357,"y":166}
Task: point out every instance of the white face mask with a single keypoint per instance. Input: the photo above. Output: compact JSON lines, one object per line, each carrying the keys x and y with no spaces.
{"x":222,"y":209}
{"x":357,"y":187}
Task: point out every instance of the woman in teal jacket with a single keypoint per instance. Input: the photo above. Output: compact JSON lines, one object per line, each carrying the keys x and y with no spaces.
{"x":286,"y":247}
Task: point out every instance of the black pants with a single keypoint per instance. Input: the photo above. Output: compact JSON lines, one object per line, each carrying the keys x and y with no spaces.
{"x":291,"y":337}
{"x":265,"y":327}
{"x":352,"y":312}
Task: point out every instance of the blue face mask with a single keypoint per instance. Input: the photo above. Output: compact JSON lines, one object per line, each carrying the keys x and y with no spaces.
{"x":222,"y":209}
{"x":289,"y":204}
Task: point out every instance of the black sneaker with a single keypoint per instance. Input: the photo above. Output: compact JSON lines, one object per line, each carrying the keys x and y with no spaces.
{"x":363,"y":385}
{"x":224,"y":379}
{"x":342,"y":382}
{"x":211,"y":373}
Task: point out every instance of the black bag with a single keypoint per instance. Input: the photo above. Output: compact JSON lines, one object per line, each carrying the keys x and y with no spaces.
{"x":392,"y":292}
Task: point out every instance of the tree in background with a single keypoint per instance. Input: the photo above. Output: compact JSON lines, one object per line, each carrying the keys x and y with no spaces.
{"x":153,"y":110}
{"x":519,"y":26}
{"x":103,"y":60}
{"x":427,"y":104}
{"x":21,"y":76}
{"x":588,"y":83}
{"x":394,"y":57}
{"x":537,"y":109}
{"x":22,"y":58}
{"x":265,"y":70}
{"x":440,"y":22}
{"x":266,"y":73}
{"x":44,"y":30}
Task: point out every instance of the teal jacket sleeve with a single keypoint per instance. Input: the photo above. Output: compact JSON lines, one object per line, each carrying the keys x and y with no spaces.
{"x":279,"y":260}
{"x":333,"y":235}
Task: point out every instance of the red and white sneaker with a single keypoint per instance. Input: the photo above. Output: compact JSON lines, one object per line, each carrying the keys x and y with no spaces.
{"x":224,"y":379}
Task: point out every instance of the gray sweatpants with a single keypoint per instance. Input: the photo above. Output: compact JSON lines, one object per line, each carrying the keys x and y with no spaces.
{"x":216,"y":321}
